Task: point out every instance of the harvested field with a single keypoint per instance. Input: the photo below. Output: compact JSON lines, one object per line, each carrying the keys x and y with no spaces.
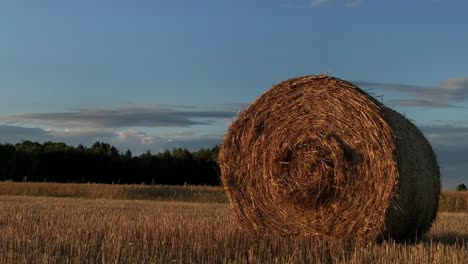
{"x":450,"y":201}
{"x":201,"y":194}
{"x":70,"y":230}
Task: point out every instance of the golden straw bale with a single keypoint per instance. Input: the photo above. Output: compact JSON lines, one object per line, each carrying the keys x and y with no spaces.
{"x":317,"y":156}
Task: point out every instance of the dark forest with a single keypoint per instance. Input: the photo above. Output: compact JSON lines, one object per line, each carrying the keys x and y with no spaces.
{"x":103,"y":163}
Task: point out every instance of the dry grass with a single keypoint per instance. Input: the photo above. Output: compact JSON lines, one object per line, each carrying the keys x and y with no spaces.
{"x":65,"y":230}
{"x":201,"y":194}
{"x":450,"y":201}
{"x":453,"y":201}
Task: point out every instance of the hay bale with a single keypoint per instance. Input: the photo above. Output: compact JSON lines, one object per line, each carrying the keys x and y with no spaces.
{"x":317,"y":156}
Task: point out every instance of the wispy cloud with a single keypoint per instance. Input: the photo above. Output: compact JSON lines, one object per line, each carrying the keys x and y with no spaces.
{"x":134,"y":116}
{"x":450,"y":143}
{"x":448,"y":136}
{"x":354,"y":3}
{"x":421,"y":103}
{"x":445,"y":95}
{"x":133,"y":127}
{"x":349,"y":3}
{"x":79,"y":132}
{"x":318,"y":2}
{"x":14,"y":134}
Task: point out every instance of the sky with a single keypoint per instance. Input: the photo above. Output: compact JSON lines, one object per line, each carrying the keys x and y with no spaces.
{"x":150,"y":75}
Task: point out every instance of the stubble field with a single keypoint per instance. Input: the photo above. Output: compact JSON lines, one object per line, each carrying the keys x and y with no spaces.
{"x":184,"y":225}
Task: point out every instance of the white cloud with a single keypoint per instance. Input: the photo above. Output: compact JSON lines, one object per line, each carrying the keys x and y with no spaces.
{"x":143,"y":138}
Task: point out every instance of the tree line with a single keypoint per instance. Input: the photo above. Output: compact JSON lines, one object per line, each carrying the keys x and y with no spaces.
{"x":103,"y":163}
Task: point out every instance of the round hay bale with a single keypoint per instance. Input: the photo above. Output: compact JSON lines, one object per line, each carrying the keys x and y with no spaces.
{"x":317,"y":156}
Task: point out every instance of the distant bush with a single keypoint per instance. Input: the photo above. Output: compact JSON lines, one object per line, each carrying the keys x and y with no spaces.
{"x":461,"y":187}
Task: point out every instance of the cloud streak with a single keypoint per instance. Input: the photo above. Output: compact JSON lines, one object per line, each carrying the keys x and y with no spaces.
{"x":353,"y":3}
{"x":421,"y":103}
{"x":318,"y":2}
{"x":447,"y":135}
{"x":349,"y":3}
{"x":137,"y":141}
{"x":450,"y":144}
{"x":445,"y":95}
{"x":135,"y":116}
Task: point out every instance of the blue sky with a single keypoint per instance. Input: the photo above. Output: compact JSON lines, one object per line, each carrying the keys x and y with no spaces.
{"x":159,"y":74}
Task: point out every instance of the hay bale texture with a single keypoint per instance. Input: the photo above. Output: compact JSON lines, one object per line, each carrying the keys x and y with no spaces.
{"x":317,"y":156}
